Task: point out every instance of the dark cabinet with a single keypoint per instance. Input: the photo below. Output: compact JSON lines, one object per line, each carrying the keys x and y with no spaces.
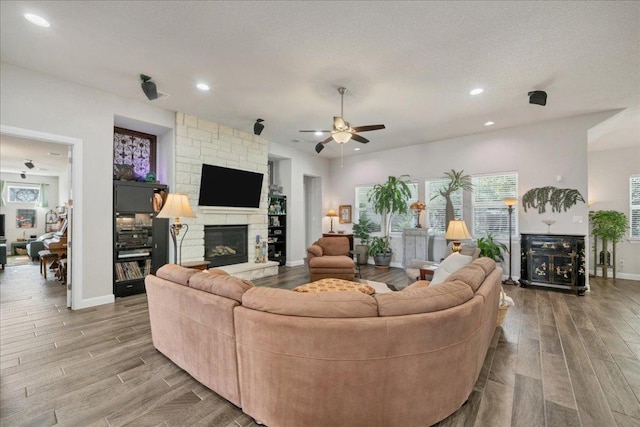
{"x":553,"y":260}
{"x":140,"y":239}
{"x":277,"y":238}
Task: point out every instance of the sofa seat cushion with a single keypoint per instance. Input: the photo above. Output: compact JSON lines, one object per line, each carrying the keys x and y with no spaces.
{"x":310,"y":304}
{"x":452,"y":263}
{"x":335,"y":285}
{"x":176,"y":273}
{"x":220,"y":284}
{"x":423,"y":300}
{"x":472,"y":274}
{"x":333,"y":262}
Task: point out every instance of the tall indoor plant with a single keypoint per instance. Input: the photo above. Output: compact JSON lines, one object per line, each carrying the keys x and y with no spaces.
{"x":362,"y":230}
{"x":609,"y":226}
{"x":457,"y":181}
{"x":390,"y":197}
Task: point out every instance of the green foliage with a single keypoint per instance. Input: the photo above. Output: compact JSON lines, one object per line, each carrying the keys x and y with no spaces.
{"x":380,"y":245}
{"x":363,"y":229}
{"x":558,"y":198}
{"x":457,"y":181}
{"x":390,"y":197}
{"x":608,"y":225}
{"x":492,"y":248}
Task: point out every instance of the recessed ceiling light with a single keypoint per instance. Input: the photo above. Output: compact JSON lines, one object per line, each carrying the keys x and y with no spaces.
{"x":37,"y":20}
{"x":42,"y":169}
{"x":318,"y":133}
{"x":53,"y":154}
{"x":356,"y":149}
{"x":476,"y":91}
{"x":489,"y":123}
{"x":202,"y":86}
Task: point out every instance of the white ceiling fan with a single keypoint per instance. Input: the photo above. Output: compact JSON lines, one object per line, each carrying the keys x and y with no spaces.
{"x":342,"y":131}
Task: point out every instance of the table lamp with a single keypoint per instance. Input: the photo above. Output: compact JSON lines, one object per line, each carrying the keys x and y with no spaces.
{"x":332,"y":214}
{"x":457,"y":231}
{"x":176,"y":206}
{"x":418,"y":207}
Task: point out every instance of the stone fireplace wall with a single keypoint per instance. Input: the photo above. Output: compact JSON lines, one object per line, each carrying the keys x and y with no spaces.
{"x":201,"y":141}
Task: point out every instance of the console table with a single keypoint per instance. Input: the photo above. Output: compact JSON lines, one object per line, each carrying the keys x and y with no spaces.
{"x":553,"y":260}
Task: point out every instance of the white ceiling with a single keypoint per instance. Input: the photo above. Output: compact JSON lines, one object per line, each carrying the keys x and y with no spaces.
{"x":409,"y":65}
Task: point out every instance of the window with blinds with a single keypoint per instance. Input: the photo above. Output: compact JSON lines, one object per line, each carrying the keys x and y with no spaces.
{"x":634,"y":197}
{"x":398,"y":222}
{"x":490,"y":214}
{"x":363,"y":206}
{"x":436,"y":205}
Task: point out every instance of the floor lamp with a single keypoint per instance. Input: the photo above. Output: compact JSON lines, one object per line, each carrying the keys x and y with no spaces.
{"x":176,"y":206}
{"x":332,"y":214}
{"x":510,"y":202}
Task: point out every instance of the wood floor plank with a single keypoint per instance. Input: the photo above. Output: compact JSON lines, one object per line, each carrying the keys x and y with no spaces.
{"x":104,"y":371}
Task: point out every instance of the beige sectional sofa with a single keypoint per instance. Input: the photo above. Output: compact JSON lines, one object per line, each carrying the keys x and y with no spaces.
{"x":408,"y":358}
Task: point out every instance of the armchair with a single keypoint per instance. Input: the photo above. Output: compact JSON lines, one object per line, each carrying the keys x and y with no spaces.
{"x":330,"y":257}
{"x":3,"y":254}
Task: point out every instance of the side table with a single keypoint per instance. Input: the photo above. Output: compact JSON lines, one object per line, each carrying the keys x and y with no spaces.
{"x":428,"y":271}
{"x":16,"y":245}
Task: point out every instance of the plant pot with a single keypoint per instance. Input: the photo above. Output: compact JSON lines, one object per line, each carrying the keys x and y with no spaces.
{"x":382,"y":260}
{"x":362,"y":254}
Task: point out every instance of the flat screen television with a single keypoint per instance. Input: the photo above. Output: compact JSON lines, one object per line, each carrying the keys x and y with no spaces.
{"x":228,"y":187}
{"x":2,"y":225}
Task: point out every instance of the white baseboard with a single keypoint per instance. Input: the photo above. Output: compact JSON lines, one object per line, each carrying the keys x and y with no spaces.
{"x":294,"y":263}
{"x":92,"y":302}
{"x":619,"y":275}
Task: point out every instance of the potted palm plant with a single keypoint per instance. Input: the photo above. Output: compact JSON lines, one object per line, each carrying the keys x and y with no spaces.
{"x":609,"y":226}
{"x":362,"y":230}
{"x":457,"y":180}
{"x":388,"y":198}
{"x":491,"y":248}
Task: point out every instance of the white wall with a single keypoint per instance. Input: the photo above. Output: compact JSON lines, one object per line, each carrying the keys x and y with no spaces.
{"x":539,"y":153}
{"x":291,"y":166}
{"x":42,"y":103}
{"x":609,"y":173}
{"x":12,"y":231}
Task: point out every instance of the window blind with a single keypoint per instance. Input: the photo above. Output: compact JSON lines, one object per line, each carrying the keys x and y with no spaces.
{"x":436,"y":205}
{"x":490,"y":214}
{"x":634,"y":197}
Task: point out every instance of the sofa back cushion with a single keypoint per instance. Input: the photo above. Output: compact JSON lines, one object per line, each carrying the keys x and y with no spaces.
{"x":423,"y":300}
{"x":220,"y":284}
{"x":452,"y":263}
{"x":176,"y":273}
{"x":317,"y":304}
{"x":334,"y":245}
{"x":473,"y":275}
{"x":487,"y":264}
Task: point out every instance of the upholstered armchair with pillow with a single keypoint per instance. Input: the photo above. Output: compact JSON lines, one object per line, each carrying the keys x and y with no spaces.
{"x":330,"y":257}
{"x":37,"y":245}
{"x":413,"y":270}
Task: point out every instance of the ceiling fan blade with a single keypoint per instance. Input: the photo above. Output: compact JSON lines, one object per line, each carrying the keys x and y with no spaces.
{"x":320,"y":145}
{"x":359,"y":138}
{"x":324,"y":131}
{"x":368,"y":128}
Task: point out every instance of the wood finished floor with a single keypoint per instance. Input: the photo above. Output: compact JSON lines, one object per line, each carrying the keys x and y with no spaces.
{"x":558,"y":360}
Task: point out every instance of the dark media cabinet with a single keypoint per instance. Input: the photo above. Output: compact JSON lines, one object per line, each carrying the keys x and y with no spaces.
{"x":140,"y":240}
{"x":553,"y":260}
{"x":277,"y":238}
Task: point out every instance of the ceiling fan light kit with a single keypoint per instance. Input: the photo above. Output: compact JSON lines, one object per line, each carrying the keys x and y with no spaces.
{"x":342,"y":131}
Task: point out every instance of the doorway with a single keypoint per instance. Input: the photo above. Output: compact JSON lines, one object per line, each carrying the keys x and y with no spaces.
{"x":72,"y":149}
{"x":312,"y":209}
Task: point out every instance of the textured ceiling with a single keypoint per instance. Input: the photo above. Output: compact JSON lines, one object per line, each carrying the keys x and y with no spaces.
{"x":409,"y":65}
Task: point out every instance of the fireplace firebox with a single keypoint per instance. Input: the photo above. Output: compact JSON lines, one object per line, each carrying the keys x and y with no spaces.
{"x":226,"y":244}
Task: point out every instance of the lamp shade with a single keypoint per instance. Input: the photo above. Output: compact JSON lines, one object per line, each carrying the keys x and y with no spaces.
{"x":510,"y":201}
{"x":332,"y":213}
{"x":176,"y":206}
{"x":342,"y":137}
{"x":457,"y":230}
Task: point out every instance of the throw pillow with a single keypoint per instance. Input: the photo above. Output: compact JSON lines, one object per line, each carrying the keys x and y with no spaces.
{"x":453,"y":262}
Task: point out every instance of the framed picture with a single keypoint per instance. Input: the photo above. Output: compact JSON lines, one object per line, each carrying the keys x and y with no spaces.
{"x":25,"y":218}
{"x":345,"y":214}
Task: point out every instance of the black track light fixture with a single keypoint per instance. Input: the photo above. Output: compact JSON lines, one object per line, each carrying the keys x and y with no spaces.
{"x":538,"y":97}
{"x":29,"y":164}
{"x":148,"y":87}
{"x":23,"y":175}
{"x":258,"y":127}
